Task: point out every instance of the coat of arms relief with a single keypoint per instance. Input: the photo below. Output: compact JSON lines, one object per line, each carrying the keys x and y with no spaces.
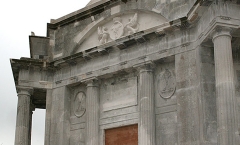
{"x":118,"y":29}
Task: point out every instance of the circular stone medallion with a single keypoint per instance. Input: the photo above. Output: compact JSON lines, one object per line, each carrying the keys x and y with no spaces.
{"x":116,"y":30}
{"x":167,"y":85}
{"x":79,"y":104}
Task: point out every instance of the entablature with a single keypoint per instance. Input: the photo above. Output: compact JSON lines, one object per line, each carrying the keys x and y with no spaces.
{"x":120,"y":55}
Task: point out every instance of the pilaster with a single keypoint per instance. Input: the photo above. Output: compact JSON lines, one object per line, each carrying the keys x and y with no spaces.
{"x":24,"y":116}
{"x":225,"y":89}
{"x":187,"y":80}
{"x":60,"y":116}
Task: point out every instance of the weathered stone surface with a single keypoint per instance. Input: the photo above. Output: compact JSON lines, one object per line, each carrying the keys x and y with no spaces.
{"x":186,"y":92}
{"x":92,"y":118}
{"x":225,"y":88}
{"x":24,"y":117}
{"x":60,"y":116}
{"x":207,"y":96}
{"x":146,"y":126}
{"x":187,"y":98}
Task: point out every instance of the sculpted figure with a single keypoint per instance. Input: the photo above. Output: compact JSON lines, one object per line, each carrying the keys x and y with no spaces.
{"x":132,"y":25}
{"x":103,"y":35}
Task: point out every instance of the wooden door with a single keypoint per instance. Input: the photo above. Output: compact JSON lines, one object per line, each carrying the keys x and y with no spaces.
{"x":127,"y":135}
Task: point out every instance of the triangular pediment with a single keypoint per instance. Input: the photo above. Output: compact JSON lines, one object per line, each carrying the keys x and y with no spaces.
{"x":92,"y":2}
{"x":107,"y":30}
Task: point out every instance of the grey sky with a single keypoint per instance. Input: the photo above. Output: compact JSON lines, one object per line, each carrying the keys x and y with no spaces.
{"x":18,"y":19}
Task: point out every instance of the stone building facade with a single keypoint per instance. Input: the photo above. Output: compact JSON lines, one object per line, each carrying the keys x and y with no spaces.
{"x":135,"y":72}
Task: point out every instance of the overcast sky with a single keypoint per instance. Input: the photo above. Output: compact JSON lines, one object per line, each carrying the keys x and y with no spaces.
{"x":18,"y":19}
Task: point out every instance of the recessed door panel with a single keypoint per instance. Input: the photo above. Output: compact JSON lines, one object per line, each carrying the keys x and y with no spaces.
{"x":127,"y":135}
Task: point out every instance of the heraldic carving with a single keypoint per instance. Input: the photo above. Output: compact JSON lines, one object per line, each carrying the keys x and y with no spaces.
{"x":118,"y":29}
{"x":79,"y":105}
{"x":167,"y":85}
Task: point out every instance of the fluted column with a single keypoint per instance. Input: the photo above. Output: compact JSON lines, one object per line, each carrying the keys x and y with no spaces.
{"x":92,"y":109}
{"x":225,"y":89}
{"x":146,"y":126}
{"x":24,"y":117}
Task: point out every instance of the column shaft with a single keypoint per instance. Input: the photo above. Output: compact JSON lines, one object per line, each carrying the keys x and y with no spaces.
{"x":23,"y":126}
{"x":147,"y":116}
{"x":92,"y":109}
{"x":225,"y":89}
{"x":48,"y":117}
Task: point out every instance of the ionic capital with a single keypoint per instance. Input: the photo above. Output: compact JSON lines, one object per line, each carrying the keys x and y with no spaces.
{"x":91,"y":82}
{"x":147,"y":66}
{"x":221,"y":31}
{"x":21,"y":90}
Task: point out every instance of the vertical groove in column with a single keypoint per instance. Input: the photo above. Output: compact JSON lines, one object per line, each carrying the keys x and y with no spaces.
{"x":147,"y":115}
{"x":225,"y":89}
{"x":92,"y":108}
{"x":23,"y":119}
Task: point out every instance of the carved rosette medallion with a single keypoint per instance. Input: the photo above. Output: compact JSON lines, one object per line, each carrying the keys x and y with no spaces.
{"x":117,"y":29}
{"x":167,"y":84}
{"x":79,"y":105}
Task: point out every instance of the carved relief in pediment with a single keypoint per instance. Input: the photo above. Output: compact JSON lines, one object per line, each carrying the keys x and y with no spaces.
{"x":103,"y":35}
{"x":106,"y":30}
{"x":118,"y":29}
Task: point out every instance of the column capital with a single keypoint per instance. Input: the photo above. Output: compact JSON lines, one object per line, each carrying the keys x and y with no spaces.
{"x":22,"y":90}
{"x":147,"y":66}
{"x":91,"y":82}
{"x":221,"y":31}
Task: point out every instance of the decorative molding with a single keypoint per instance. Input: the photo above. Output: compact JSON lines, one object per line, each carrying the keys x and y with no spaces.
{"x":185,"y":44}
{"x":225,"y":18}
{"x":58,"y":82}
{"x":44,"y":82}
{"x":145,"y":65}
{"x":162,"y":51}
{"x":73,"y":79}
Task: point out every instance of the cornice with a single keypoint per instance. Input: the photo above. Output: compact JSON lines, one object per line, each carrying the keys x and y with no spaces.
{"x":218,"y":23}
{"x":81,"y":14}
{"x":124,"y":43}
